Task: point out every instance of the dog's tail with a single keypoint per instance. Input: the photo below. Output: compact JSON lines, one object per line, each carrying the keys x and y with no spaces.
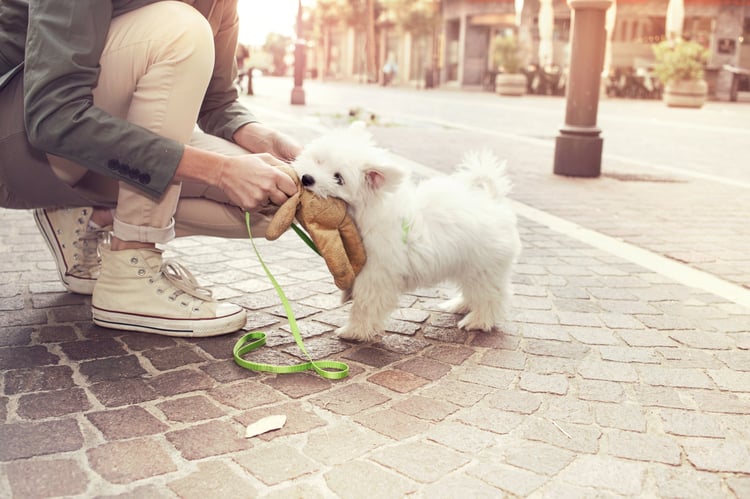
{"x":484,"y":171}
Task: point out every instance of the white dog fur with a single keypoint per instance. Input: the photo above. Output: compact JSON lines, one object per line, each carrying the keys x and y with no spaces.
{"x":458,"y":228}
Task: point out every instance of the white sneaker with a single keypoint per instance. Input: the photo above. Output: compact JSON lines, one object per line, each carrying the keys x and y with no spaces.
{"x":73,"y":244}
{"x":138,"y":291}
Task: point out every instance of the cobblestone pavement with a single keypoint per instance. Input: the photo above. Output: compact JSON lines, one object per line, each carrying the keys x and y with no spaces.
{"x":608,"y":380}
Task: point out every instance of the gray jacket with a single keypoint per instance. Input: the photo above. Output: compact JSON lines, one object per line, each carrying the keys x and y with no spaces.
{"x":61,"y":70}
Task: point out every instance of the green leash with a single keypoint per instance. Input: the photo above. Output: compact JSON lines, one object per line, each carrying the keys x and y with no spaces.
{"x":329,"y":369}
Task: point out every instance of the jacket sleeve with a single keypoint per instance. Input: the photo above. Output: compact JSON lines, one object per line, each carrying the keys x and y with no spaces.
{"x":63,"y":47}
{"x":221,"y":113}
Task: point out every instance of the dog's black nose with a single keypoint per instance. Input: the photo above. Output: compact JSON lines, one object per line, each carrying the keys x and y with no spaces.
{"x":308,"y":180}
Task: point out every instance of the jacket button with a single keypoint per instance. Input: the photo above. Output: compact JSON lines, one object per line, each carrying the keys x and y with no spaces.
{"x":144,"y":178}
{"x":134,"y":173}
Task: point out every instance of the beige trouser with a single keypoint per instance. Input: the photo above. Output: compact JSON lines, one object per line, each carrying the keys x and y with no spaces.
{"x":155,"y":69}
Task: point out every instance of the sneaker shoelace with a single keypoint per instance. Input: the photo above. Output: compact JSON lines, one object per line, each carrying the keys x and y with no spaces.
{"x":185,"y":283}
{"x":88,"y":261}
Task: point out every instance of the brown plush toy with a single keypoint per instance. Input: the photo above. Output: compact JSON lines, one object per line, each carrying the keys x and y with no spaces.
{"x":330,"y":227}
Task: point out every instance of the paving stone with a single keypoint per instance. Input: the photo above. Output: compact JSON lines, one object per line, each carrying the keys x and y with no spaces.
{"x":502,"y":341}
{"x":426,"y":408}
{"x":538,"y":457}
{"x":299,"y":385}
{"x":689,"y":358}
{"x":719,"y":455}
{"x":642,"y":447}
{"x":458,"y":485}
{"x":112,"y":369}
{"x":52,"y":404}
{"x":621,"y":416}
{"x":92,"y":349}
{"x":740,"y":485}
{"x":24,"y":440}
{"x":57,"y":333}
{"x":38,"y":379}
{"x":123,"y":392}
{"x":402,"y":345}
{"x":515,"y":481}
{"x":130,"y":422}
{"x":298,"y":489}
{"x":724,"y":402}
{"x":245,"y":394}
{"x":372,"y":481}
{"x":551,"y":365}
{"x":190,"y":409}
{"x":397,"y":380}
{"x":171,"y":358}
{"x":515,"y":401}
{"x":601,"y":391}
{"x":659,"y":396}
{"x":374,"y":357}
{"x":568,"y":409}
{"x":139,"y":342}
{"x":702,"y":339}
{"x":341,"y":443}
{"x":616,"y":475}
{"x":129,"y":461}
{"x":461,"y":437}
{"x":691,"y":424}
{"x":26,"y":357}
{"x":593,"y":336}
{"x":504,"y":359}
{"x":16,"y":336}
{"x":46,"y":478}
{"x":450,"y":354}
{"x":276,"y":464}
{"x":392,"y":423}
{"x":630,"y":355}
{"x":575,"y":437}
{"x":421,"y":461}
{"x":350,"y":399}
{"x":556,"y":349}
{"x":679,"y":482}
{"x":214,"y":438}
{"x":226,"y":371}
{"x":213,"y":479}
{"x":181,"y":381}
{"x":733,"y":381}
{"x":607,"y":371}
{"x":646,"y":338}
{"x":490,"y":419}
{"x":488,"y":376}
{"x":424,"y":368}
{"x":537,"y":383}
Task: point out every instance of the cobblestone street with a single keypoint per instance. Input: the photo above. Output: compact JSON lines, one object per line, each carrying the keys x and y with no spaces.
{"x":611,"y":377}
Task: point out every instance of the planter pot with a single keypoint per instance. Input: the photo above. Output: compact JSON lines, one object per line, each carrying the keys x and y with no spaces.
{"x":510,"y":84}
{"x":686,"y":93}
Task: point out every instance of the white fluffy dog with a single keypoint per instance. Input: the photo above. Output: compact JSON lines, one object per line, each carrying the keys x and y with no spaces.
{"x":458,"y":228}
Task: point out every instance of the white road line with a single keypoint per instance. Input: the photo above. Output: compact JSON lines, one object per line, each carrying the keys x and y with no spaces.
{"x":679,"y":272}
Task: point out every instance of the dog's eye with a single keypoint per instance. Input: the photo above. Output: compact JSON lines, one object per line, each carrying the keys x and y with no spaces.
{"x":339,"y":179}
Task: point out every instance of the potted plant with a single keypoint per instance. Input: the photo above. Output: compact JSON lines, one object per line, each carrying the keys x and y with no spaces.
{"x":680,"y":67}
{"x":506,"y":57}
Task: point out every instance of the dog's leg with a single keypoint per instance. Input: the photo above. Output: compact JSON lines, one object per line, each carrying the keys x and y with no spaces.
{"x":487,"y":299}
{"x":456,"y":305}
{"x":373,"y":303}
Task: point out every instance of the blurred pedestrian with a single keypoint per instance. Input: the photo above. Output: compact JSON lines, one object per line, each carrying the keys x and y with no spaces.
{"x":100,"y":101}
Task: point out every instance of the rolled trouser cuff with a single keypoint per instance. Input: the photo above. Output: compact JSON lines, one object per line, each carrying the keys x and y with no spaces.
{"x":143,"y":233}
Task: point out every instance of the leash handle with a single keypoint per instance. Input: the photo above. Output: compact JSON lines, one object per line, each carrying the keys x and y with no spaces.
{"x":328,"y":369}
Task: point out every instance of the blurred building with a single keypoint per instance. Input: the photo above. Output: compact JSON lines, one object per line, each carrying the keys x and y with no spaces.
{"x":447,"y":42}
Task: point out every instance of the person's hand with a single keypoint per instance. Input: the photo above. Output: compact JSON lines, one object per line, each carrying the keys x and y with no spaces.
{"x":259,"y":138}
{"x":252,"y":181}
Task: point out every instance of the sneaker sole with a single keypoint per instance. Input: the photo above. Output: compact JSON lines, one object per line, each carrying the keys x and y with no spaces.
{"x":72,"y":283}
{"x":189,"y":328}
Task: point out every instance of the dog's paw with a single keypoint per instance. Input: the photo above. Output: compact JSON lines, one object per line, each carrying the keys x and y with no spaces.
{"x":353,"y":334}
{"x":473,"y":322}
{"x":455,"y":305}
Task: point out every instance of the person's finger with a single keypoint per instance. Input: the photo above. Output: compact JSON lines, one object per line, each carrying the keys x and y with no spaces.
{"x":286,"y":185}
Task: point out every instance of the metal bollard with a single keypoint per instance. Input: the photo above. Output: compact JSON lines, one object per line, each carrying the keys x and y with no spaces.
{"x":578,"y":147}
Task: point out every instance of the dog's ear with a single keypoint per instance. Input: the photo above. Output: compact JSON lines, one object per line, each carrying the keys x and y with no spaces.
{"x":383,"y":177}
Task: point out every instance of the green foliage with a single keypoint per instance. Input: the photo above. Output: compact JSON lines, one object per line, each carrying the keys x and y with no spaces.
{"x":506,"y":54}
{"x":679,"y":60}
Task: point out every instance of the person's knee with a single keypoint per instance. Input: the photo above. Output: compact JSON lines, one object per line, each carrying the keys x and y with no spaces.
{"x":187,"y":33}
